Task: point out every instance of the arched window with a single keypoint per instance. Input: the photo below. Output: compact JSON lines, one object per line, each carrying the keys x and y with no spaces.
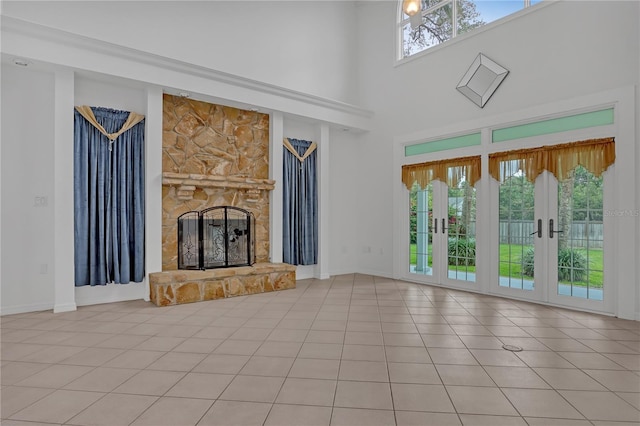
{"x":438,"y":16}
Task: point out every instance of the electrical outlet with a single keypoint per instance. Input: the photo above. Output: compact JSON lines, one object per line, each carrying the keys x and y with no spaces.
{"x":40,"y":201}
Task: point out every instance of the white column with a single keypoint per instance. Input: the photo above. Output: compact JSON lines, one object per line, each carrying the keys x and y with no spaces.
{"x":322,"y":271}
{"x":275,"y":199}
{"x":625,"y":249}
{"x":486,"y":212}
{"x":153,"y":184}
{"x":63,"y":263}
{"x":422,"y":231}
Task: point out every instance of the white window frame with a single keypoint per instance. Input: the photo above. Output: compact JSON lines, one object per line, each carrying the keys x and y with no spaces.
{"x":403,"y":20}
{"x":623,"y":271}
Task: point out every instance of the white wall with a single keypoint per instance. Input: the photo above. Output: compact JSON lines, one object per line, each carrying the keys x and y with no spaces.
{"x":551,"y":55}
{"x":109,"y":94}
{"x":34,"y":275}
{"x":550,"y":69}
{"x":637,"y":161}
{"x":345,"y":213}
{"x":97,"y":73}
{"x":305,"y":46}
{"x":27,"y":173}
{"x":571,"y":57}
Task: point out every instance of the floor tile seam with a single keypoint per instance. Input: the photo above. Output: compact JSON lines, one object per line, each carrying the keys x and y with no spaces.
{"x":568,"y":402}
{"x":288,"y":311}
{"x":88,"y":406}
{"x":620,"y":342}
{"x":179,"y":397}
{"x":455,"y":409}
{"x":584,"y":371}
{"x":117,"y":347}
{"x":614,"y":393}
{"x":24,"y":408}
{"x":344,"y":337}
{"x":196,"y":423}
{"x":437,"y":372}
{"x":79,"y":377}
{"x":483,"y":367}
{"x":143,"y":411}
{"x":186,"y":373}
{"x":302,"y":343}
{"x":604,"y":354}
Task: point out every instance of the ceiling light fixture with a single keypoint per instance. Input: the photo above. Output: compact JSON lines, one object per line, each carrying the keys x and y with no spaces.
{"x":413,"y":8}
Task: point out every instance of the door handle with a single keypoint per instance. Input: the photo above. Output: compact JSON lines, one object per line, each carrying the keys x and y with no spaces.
{"x":435,"y":225}
{"x":539,"y":231}
{"x":551,"y":231}
{"x":443,"y":228}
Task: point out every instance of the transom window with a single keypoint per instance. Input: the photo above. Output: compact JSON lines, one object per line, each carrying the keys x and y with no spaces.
{"x":438,"y":17}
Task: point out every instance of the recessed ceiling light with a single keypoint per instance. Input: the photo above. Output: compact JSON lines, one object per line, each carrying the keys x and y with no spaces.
{"x":21,"y":62}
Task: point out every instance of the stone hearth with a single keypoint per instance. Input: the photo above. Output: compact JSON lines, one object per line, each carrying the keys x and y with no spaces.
{"x":182,"y":286}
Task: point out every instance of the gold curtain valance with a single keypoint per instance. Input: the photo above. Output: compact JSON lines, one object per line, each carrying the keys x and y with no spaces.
{"x":450,"y":171}
{"x":301,"y":158}
{"x":596,"y":155}
{"x":132,"y":120}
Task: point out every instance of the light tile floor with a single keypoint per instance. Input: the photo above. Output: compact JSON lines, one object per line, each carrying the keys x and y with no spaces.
{"x":353,"y":350}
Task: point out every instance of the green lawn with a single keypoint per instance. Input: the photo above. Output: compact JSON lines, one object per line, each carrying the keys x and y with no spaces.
{"x":510,"y":264}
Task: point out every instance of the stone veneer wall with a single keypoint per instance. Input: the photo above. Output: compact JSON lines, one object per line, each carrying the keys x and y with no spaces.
{"x":204,"y":141}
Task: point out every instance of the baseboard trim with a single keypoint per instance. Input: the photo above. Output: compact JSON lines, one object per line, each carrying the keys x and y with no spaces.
{"x":382,"y":274}
{"x":64,"y":307}
{"x":110,"y":293}
{"x":22,"y":309}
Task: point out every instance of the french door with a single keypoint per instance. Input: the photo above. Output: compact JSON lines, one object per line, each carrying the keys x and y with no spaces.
{"x":442,"y":232}
{"x":551,"y":239}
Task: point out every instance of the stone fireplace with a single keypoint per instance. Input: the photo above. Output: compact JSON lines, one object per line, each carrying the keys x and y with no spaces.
{"x":214,"y":156}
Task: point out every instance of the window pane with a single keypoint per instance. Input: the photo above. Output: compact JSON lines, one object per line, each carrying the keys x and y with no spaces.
{"x":436,"y":29}
{"x":461,"y":233}
{"x":580,"y":241}
{"x":411,"y":41}
{"x":492,"y":10}
{"x":469,"y":17}
{"x":420,"y":218}
{"x":437,"y":25}
{"x":516,"y":258}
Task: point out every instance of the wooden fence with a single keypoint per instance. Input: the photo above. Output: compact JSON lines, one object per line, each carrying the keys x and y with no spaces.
{"x":583,"y":234}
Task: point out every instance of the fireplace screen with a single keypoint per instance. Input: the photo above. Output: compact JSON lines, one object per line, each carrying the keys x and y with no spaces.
{"x":218,"y":237}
